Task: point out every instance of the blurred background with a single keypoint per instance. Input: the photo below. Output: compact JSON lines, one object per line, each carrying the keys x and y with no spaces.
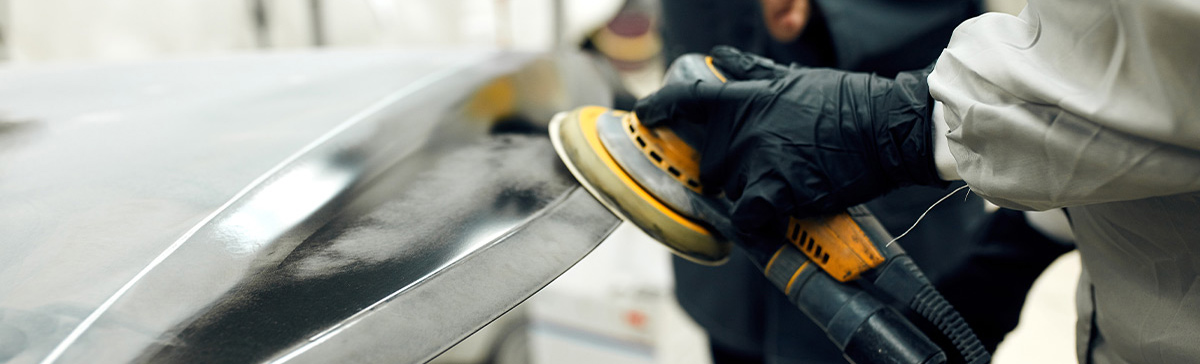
{"x":36,"y":31}
{"x":617,"y":305}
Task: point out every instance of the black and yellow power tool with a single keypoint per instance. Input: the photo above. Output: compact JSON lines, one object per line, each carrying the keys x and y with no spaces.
{"x":839,"y":270}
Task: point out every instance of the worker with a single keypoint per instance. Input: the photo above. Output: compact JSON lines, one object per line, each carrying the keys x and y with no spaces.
{"x":1088,"y":105}
{"x":995,"y":257}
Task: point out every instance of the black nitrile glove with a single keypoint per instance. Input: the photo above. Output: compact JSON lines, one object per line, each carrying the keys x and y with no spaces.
{"x":794,"y":141}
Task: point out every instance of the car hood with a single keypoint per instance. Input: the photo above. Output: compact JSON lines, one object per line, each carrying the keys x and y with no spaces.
{"x":305,"y":207}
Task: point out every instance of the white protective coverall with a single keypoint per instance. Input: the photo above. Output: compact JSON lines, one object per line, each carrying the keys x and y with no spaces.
{"x":1091,"y":105}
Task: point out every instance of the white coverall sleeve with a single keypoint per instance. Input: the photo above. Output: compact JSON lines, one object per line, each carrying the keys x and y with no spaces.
{"x":1074,"y":102}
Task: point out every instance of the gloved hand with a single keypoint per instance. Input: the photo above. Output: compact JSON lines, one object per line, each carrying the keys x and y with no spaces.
{"x":794,"y":141}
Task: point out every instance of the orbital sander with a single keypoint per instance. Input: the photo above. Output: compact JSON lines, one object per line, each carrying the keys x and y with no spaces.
{"x":842,"y":271}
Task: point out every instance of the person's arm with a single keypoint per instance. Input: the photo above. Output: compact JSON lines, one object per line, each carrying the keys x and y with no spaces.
{"x":1074,"y":102}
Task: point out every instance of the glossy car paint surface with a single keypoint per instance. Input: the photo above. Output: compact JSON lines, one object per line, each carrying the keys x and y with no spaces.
{"x":309,"y":207}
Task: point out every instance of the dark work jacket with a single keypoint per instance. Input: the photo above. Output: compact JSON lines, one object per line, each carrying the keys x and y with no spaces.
{"x":738,"y":308}
{"x":880,"y":36}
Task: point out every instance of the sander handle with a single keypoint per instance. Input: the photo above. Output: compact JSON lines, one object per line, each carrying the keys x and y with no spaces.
{"x":863,"y":328}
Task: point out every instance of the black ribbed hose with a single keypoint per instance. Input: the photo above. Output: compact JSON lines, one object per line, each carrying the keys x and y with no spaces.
{"x":900,"y":278}
{"x":903,"y":280}
{"x":930,"y":304}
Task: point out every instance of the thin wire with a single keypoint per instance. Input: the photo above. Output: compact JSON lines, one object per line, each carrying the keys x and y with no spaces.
{"x":914,"y":225}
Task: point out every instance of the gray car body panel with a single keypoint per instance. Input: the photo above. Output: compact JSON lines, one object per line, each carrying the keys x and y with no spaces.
{"x":309,"y":207}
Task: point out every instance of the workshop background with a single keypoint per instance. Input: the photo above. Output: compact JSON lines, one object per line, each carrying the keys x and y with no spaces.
{"x":615,"y":306}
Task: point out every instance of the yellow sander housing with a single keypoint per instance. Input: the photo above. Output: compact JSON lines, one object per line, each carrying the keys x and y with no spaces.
{"x":650,"y":177}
